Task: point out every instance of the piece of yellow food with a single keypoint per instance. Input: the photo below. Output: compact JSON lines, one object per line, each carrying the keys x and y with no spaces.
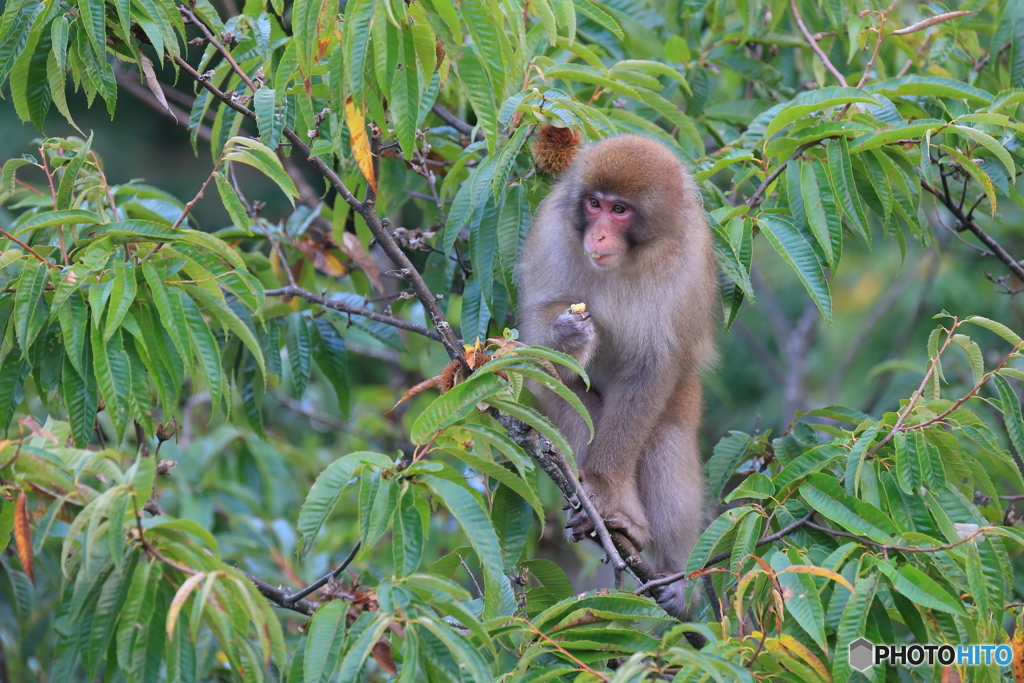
{"x":578,"y":308}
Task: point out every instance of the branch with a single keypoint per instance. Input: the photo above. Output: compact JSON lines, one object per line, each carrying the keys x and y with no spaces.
{"x":814,"y":44}
{"x":279,"y":596}
{"x":720,"y":557}
{"x":454,"y":121}
{"x":553,"y":462}
{"x":967,"y":222}
{"x":366,"y":210}
{"x":28,"y":249}
{"x":294,"y":290}
{"x":294,"y":598}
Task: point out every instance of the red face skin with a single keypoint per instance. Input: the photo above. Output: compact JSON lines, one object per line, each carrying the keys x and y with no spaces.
{"x":608,"y":219}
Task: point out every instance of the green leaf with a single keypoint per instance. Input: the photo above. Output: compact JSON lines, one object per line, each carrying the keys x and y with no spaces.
{"x":462,"y":652}
{"x":385,"y":501}
{"x":70,"y":174}
{"x":728,"y":453}
{"x":405,"y":91}
{"x":840,"y":174}
{"x":170,"y":311}
{"x":795,"y":250}
{"x":324,"y":642}
{"x":989,"y":143}
{"x":363,"y":645}
{"x":30,"y":310}
{"x":802,"y":601}
{"x":1011,"y":413}
{"x":229,"y":198}
{"x":207,"y":352}
{"x":973,"y":352}
{"x":358,"y":14}
{"x":299,"y":351}
{"x":454,"y":405}
{"x":930,"y":86}
{"x":920,"y":588}
{"x":227,"y":317}
{"x":998,"y":328}
{"x":13,"y":372}
{"x":538,"y":422}
{"x":852,"y":623}
{"x":555,"y":385}
{"x":122,"y":294}
{"x":812,"y":101}
{"x":854,"y":515}
{"x":50,"y":218}
{"x":78,"y":387}
{"x":596,"y":13}
{"x":756,"y":486}
{"x":815,"y":210}
{"x":477,"y":526}
{"x":496,"y":471}
{"x":326,"y":492}
{"x":331,"y":357}
{"x":259,"y":156}
{"x":480,"y":94}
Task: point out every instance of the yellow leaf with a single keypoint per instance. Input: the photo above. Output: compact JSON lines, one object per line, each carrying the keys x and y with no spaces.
{"x":360,"y":142}
{"x":805,"y":653}
{"x":817,"y":571}
{"x":179,"y":600}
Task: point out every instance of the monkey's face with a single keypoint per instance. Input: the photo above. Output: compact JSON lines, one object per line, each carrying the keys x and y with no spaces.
{"x":607,"y":220}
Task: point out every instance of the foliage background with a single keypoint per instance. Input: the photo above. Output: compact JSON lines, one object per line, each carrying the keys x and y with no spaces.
{"x":780,"y":355}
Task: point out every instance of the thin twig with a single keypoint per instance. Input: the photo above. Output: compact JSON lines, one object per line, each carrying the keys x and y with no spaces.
{"x":28,"y":249}
{"x":917,"y":394}
{"x":814,"y":44}
{"x":968,"y":223}
{"x":220,"y":48}
{"x":292,"y":290}
{"x":293,"y":598}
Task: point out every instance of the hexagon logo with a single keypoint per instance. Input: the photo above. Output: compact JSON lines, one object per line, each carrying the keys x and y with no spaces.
{"x":861,"y":654}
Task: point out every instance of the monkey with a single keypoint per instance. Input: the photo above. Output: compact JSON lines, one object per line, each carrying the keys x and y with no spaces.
{"x":624,"y":232}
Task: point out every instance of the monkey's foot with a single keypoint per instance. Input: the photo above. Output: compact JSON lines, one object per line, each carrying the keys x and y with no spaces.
{"x":580,"y":526}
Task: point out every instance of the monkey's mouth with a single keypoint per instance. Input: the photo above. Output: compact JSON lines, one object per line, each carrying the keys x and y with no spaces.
{"x":599,"y":259}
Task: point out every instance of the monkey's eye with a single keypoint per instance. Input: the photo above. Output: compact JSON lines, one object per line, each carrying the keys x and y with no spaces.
{"x":594,"y":203}
{"x":619,"y":209}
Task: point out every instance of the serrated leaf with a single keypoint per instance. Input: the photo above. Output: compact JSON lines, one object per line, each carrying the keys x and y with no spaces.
{"x":259,"y":156}
{"x":30,"y":310}
{"x":920,"y":588}
{"x":70,"y":174}
{"x":233,"y":205}
{"x":324,"y":642}
{"x":454,"y":405}
{"x":122,"y":294}
{"x":795,"y":250}
{"x":477,"y":526}
{"x":326,"y":492}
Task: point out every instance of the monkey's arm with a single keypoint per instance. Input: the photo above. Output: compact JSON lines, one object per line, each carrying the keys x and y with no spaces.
{"x":555,"y":326}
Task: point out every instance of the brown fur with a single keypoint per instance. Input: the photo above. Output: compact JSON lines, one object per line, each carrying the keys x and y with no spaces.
{"x":650,"y":334}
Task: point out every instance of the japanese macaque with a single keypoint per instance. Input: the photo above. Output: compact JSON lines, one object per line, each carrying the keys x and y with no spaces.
{"x":624,"y":233}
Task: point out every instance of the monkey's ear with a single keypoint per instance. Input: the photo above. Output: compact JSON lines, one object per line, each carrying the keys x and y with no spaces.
{"x":554,"y":149}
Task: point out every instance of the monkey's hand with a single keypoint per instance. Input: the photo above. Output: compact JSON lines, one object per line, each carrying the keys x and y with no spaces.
{"x":575,"y":333}
{"x":621,"y":512}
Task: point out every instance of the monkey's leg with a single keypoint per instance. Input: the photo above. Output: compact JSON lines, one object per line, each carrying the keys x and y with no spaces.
{"x":672,"y":490}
